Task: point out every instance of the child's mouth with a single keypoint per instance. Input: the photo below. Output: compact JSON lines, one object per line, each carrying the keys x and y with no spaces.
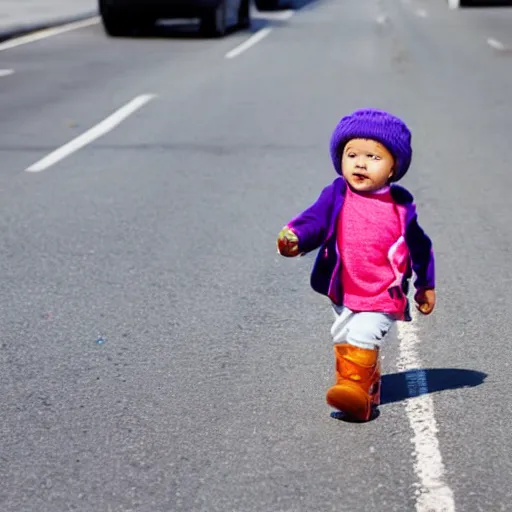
{"x":360,"y":177}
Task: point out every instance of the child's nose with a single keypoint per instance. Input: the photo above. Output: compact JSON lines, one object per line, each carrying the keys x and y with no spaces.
{"x":360,"y":163}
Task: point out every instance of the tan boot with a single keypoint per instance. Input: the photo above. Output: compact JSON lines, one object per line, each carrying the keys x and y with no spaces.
{"x":357,"y":388}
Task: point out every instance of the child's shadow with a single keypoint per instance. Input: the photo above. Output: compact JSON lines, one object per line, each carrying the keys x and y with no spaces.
{"x":396,"y":387}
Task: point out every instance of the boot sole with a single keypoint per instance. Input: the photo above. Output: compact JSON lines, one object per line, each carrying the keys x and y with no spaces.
{"x":351,"y":400}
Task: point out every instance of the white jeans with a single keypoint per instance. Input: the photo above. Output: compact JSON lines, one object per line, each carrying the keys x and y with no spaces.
{"x":366,"y":329}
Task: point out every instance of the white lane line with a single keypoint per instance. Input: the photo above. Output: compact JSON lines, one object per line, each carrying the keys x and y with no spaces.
{"x":432,"y":494}
{"x":494,"y":43}
{"x":255,"y":38}
{"x":421,"y":13}
{"x":43,"y":34}
{"x":94,"y":133}
{"x":6,"y":72}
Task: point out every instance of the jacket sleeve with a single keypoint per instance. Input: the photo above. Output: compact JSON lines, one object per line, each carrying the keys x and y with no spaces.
{"x":312,"y":225}
{"x":421,"y":251}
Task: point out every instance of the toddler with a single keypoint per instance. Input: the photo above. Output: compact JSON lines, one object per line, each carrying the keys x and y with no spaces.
{"x":369,"y":240}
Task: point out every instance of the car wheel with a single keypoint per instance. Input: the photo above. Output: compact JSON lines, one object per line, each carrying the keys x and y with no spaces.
{"x":115,"y":24}
{"x":267,"y":5}
{"x":244,"y":14}
{"x":213,"y":23}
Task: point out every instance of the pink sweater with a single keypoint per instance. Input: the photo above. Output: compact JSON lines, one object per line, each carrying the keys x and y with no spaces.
{"x":369,"y":235}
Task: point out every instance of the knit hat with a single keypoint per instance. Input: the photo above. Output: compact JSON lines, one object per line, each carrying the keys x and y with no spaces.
{"x":376,"y":125}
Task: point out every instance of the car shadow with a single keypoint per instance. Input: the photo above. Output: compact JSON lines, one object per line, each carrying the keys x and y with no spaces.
{"x":189,"y":29}
{"x":173,"y":29}
{"x":396,"y":387}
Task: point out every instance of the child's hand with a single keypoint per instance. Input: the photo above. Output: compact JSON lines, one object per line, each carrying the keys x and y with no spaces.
{"x":287,"y":243}
{"x":426,"y":300}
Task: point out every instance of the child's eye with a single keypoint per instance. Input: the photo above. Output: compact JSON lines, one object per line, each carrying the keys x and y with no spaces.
{"x":373,"y":157}
{"x":351,"y":155}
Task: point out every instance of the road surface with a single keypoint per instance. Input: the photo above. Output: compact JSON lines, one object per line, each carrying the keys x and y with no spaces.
{"x":153,"y":227}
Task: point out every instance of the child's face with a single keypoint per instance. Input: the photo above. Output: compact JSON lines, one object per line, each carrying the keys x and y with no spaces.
{"x":366,"y":165}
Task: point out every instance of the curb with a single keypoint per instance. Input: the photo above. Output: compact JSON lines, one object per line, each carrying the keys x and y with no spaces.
{"x":21,"y":29}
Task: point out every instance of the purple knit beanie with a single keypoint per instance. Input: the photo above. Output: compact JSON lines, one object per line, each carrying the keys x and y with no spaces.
{"x":376,"y":125}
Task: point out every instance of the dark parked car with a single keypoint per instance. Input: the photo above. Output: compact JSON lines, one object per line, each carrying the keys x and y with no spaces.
{"x":120,"y":17}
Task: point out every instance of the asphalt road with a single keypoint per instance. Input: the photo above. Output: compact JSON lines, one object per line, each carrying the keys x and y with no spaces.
{"x":208,"y":392}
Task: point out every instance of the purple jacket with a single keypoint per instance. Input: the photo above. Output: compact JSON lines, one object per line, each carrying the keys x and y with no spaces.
{"x":316,"y":227}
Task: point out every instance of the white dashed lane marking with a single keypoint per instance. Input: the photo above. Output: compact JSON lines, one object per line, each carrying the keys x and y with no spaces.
{"x":94,"y":133}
